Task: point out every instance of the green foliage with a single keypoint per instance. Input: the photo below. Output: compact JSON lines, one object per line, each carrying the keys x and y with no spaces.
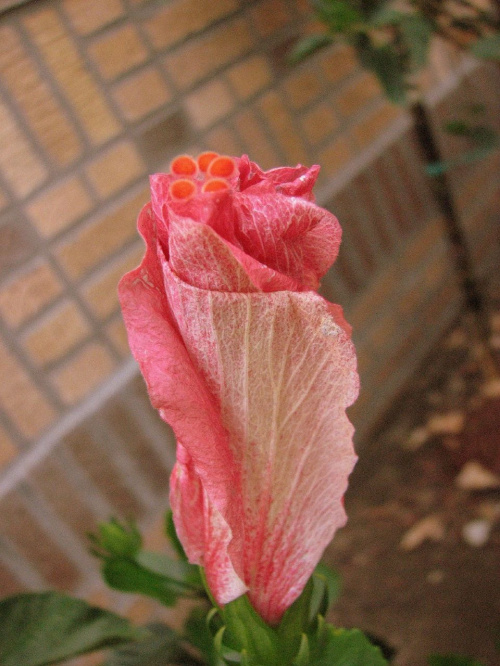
{"x":340,"y":16}
{"x":309,"y":45}
{"x":487,"y":47}
{"x":387,"y":64}
{"x":49,"y":627}
{"x":128,"y":568}
{"x":171,"y":533}
{"x":301,"y":639}
{"x":483,"y":140}
{"x":163,"y":646}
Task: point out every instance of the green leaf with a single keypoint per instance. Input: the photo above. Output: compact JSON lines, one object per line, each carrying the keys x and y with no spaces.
{"x":344,"y":647}
{"x":115,"y":538}
{"x":341,"y":16}
{"x":487,"y":47}
{"x":309,"y":45}
{"x":387,"y":65}
{"x":302,"y":657}
{"x":247,"y":631}
{"x":179,"y":573}
{"x":171,"y":533}
{"x":417,"y":33}
{"x":162,"y":647}
{"x":296,"y":622}
{"x":45,"y":628}
{"x":198,"y":634}
{"x":451,"y":660}
{"x":332,"y":581}
{"x":127,"y":576}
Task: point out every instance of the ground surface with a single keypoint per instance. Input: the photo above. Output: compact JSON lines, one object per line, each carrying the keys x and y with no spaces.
{"x":420,"y":556}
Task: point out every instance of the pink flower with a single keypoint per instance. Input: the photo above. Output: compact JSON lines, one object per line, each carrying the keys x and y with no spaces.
{"x":252,"y":369}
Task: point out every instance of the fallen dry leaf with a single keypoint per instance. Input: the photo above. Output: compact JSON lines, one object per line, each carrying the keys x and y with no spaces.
{"x":450,"y":423}
{"x":473,"y":476}
{"x":429,"y":528}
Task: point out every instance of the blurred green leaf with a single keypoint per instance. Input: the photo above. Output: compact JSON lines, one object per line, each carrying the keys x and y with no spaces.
{"x":340,"y":16}
{"x":196,"y":631}
{"x":115,"y":538}
{"x":417,"y":33}
{"x":127,"y":576}
{"x":179,"y":573}
{"x":487,"y":47}
{"x":49,"y":627}
{"x":162,"y":647}
{"x":387,"y":65}
{"x":309,"y":45}
{"x":171,"y":533}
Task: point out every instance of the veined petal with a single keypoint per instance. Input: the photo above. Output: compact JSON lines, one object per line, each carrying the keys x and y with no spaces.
{"x":282,"y":370}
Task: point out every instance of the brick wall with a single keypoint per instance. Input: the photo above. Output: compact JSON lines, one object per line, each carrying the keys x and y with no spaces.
{"x":94,"y":96}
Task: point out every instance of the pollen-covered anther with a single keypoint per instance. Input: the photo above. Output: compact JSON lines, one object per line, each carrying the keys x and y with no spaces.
{"x":204,"y":160}
{"x":183,"y":165}
{"x":182,"y":189}
{"x":222,"y":167}
{"x":215,"y":185}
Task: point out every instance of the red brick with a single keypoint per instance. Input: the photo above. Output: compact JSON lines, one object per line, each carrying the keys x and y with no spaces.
{"x":86,"y":16}
{"x":101,"y":292}
{"x":280,"y":120}
{"x":335,"y":156}
{"x":118,"y":51}
{"x":92,"y":243}
{"x":19,"y":525}
{"x":27,"y":294}
{"x":319,"y":122}
{"x":250,"y":76}
{"x":141,"y":93}
{"x":257,"y":143}
{"x":59,"y":332}
{"x":200,"y":57}
{"x":62,"y":58}
{"x":270,"y":16}
{"x":223,"y":140}
{"x":59,"y":206}
{"x":83,"y":373}
{"x":8,"y":451}
{"x":20,"y":166}
{"x":115,"y":168}
{"x":184,"y":17}
{"x":338,"y":62}
{"x":209,"y":103}
{"x":303,"y":87}
{"x":377,"y":122}
{"x":47,"y":120}
{"x":23,"y":403}
{"x":358,"y":94}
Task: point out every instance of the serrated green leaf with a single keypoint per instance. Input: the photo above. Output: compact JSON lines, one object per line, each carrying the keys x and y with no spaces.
{"x":171,"y":533}
{"x":345,"y":647}
{"x":49,"y":627}
{"x":487,"y":47}
{"x":162,"y":647}
{"x":127,"y":576}
{"x":451,"y":660}
{"x":308,"y":46}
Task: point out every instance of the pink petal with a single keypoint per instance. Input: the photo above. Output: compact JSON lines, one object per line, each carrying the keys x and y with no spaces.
{"x":282,"y":371}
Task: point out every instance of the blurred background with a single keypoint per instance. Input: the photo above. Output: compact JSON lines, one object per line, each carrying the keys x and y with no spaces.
{"x":97,"y":94}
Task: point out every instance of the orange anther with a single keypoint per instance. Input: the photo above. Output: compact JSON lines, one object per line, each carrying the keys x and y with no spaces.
{"x":222,"y":167}
{"x":205,"y":158}
{"x":183,"y":165}
{"x":182,"y":189}
{"x":215,"y":185}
